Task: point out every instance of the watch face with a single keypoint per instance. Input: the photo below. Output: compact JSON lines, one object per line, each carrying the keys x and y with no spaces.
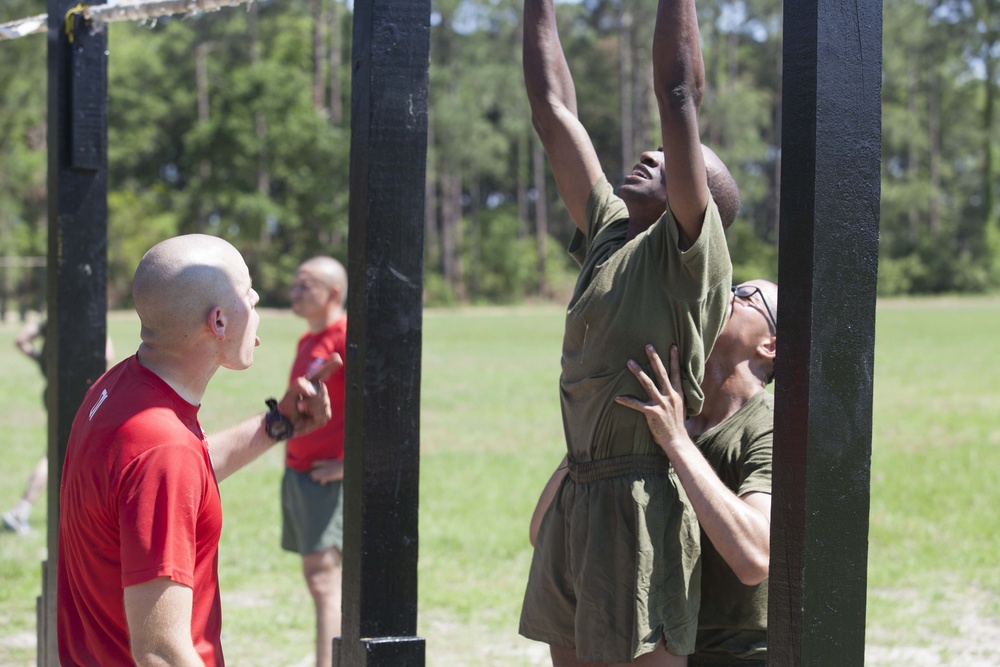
{"x":278,"y":426}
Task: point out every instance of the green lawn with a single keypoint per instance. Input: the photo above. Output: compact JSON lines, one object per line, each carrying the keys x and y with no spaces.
{"x":490,"y":435}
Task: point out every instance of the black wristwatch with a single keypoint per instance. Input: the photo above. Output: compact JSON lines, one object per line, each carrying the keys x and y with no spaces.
{"x":276,"y":424}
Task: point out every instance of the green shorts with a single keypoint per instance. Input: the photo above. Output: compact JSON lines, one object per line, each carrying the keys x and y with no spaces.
{"x":312,"y":514}
{"x":617,"y":563}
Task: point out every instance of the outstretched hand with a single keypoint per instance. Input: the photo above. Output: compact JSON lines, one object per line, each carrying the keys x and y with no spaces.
{"x":307,"y":403}
{"x":664,"y":411}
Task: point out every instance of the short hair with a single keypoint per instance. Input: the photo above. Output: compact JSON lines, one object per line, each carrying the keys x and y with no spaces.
{"x":726,"y":194}
{"x":722,"y":185}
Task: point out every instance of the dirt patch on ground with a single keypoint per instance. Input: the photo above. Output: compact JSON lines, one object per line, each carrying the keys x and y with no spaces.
{"x":962,"y":630}
{"x":959,"y":629}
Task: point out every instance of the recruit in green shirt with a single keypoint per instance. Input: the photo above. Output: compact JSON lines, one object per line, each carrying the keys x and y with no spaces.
{"x":630,"y":294}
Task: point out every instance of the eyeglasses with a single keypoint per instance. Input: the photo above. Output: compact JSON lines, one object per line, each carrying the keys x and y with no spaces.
{"x":747,"y":291}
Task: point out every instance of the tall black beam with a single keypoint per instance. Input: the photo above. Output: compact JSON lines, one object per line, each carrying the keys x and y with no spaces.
{"x":828,"y":249}
{"x":382,"y":459}
{"x":77,"y":249}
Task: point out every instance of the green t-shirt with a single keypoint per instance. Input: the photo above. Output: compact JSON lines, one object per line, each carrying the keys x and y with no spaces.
{"x":732,"y":623}
{"x":629,"y":294}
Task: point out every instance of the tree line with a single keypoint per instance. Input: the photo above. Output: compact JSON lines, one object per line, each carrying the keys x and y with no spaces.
{"x":236,"y":123}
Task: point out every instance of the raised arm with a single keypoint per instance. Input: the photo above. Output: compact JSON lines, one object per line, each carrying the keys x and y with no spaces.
{"x":552,"y":97}
{"x":679,"y":81}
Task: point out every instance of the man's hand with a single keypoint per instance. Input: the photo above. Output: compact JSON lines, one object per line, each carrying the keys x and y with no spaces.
{"x":664,"y":411}
{"x":327,"y":470}
{"x":322,"y":371}
{"x":307,"y":403}
{"x":739,"y":527}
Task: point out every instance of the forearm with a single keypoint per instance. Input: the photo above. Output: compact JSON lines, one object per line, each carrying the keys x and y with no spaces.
{"x":679,"y":81}
{"x":238,"y":445}
{"x":547,"y":77}
{"x":678,"y":67}
{"x":552,"y":97}
{"x":740,"y":532}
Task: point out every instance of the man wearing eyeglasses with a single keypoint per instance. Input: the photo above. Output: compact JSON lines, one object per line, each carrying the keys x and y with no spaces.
{"x":614,"y":576}
{"x":722,"y":457}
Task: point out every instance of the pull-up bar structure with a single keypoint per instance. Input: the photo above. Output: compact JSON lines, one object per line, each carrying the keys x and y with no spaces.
{"x":828,"y":261}
{"x":78,"y":258}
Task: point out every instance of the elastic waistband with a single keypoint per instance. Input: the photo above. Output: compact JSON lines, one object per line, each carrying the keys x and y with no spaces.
{"x":618,"y":466}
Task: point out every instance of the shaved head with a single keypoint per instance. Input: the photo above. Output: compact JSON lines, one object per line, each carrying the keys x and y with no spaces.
{"x":180,"y":280}
{"x":769,"y":292}
{"x":722,"y":185}
{"x":328,"y":271}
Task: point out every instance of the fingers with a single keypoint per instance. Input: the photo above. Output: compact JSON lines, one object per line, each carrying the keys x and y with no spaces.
{"x":675,"y":369}
{"x":330,"y":365}
{"x":640,"y":375}
{"x":656,"y":364}
{"x":630,"y":402}
{"x":305,"y":387}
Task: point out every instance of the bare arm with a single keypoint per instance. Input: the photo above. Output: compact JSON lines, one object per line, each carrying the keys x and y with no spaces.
{"x":552,"y":97}
{"x":679,"y":81}
{"x":306,"y":404}
{"x":739,"y":527}
{"x":158,"y":614}
{"x":25,"y":340}
{"x":544,"y":500}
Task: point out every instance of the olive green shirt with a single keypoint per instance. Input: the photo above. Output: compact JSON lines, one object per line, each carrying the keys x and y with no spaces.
{"x":732,"y":623}
{"x":616,"y":567}
{"x":630,"y":294}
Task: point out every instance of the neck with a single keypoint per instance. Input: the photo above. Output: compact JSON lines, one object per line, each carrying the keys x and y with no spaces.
{"x":725,"y":394}
{"x":634,"y":229}
{"x":328,"y":317}
{"x":184,"y":372}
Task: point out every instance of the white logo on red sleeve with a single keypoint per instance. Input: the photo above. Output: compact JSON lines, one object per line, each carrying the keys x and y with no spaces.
{"x":104,"y":395}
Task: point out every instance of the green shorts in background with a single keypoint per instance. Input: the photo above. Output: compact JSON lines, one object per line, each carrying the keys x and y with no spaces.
{"x":312,"y":514}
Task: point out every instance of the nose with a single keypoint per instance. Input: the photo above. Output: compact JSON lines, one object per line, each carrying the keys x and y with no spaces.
{"x":650,"y":157}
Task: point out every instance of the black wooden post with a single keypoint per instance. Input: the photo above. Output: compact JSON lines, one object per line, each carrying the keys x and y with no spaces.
{"x":828,"y":248}
{"x":388,"y":162}
{"x":77,"y":263}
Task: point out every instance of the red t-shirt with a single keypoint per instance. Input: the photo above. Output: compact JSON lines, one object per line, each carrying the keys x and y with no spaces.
{"x":326,"y":442}
{"x":139,"y":501}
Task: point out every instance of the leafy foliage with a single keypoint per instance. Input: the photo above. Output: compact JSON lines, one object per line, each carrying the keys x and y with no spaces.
{"x":215,"y":127}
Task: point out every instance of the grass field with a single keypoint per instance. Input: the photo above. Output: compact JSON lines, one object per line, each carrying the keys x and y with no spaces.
{"x":490,"y":434}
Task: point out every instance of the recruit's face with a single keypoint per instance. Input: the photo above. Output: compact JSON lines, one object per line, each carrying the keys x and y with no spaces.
{"x":243,"y":320}
{"x":751,"y":308}
{"x":310,"y":294}
{"x":644,"y":189}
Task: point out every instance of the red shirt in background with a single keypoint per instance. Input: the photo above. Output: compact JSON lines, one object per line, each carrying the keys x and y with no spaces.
{"x":326,"y":442}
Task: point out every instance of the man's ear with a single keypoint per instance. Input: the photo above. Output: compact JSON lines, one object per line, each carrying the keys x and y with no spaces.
{"x":767,"y":347}
{"x":217,"y":322}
